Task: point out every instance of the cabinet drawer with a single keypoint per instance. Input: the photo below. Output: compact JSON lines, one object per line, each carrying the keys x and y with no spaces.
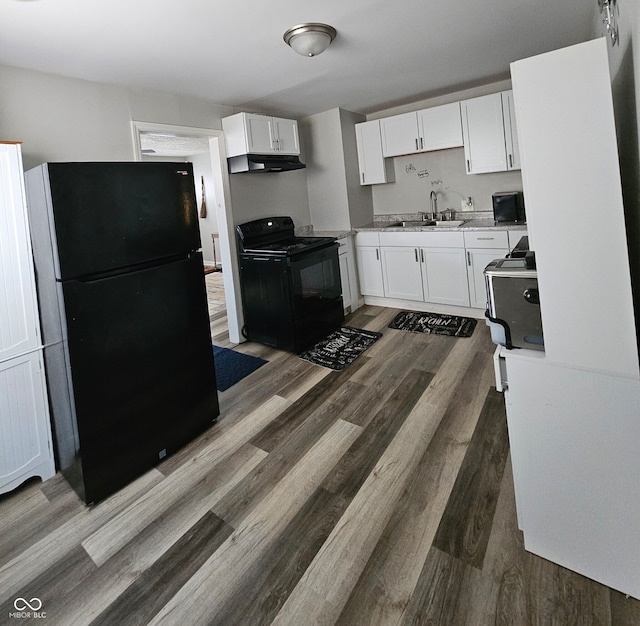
{"x":369,"y":238}
{"x":486,"y":239}
{"x":430,"y":239}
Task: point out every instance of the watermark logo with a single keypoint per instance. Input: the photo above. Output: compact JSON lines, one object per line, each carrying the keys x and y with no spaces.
{"x":27,"y":609}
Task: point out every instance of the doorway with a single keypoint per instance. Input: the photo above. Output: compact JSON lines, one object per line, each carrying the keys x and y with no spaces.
{"x":200,"y":145}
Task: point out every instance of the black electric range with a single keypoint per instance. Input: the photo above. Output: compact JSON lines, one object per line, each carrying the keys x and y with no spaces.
{"x":291,"y":288}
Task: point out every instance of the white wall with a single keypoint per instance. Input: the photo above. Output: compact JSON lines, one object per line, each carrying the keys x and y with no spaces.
{"x":337,"y":201}
{"x":66,"y":119}
{"x":209,"y":224}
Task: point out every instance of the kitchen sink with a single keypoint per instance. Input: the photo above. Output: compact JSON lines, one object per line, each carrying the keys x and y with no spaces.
{"x":450,"y":223}
{"x":409,"y":223}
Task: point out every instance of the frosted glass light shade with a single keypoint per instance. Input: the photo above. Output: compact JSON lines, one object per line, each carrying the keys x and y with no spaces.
{"x":311,"y":39}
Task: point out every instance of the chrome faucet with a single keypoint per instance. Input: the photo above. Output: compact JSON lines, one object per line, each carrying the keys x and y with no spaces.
{"x":433,"y":201}
{"x":448,"y":215}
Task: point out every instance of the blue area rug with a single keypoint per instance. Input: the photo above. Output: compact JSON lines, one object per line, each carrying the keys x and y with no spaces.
{"x":232,"y":366}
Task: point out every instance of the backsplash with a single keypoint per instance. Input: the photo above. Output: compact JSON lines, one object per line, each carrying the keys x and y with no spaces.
{"x":444,"y":172}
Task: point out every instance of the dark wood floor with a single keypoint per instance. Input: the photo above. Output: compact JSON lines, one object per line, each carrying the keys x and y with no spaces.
{"x":381,"y":494}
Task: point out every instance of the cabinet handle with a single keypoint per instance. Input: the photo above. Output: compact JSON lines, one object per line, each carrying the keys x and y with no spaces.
{"x":486,"y":238}
{"x":468,"y":258}
{"x":377,"y":254}
{"x":363,"y":178}
{"x":511,"y":160}
{"x":415,"y":250}
{"x":417,"y":144}
{"x":422,"y":255}
{"x":421,"y":143}
{"x":468,"y":166}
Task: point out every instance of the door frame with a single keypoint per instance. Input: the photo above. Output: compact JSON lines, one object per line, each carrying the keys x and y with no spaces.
{"x":223,"y":208}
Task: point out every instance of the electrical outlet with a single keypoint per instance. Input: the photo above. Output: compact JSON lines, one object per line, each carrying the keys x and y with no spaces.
{"x":467,"y":205}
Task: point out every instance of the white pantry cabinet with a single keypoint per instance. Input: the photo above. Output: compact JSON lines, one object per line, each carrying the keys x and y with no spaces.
{"x":250,"y":133}
{"x":435,"y":128}
{"x":25,"y":430}
{"x":572,"y":411}
{"x":490,"y":140}
{"x":374,"y":168}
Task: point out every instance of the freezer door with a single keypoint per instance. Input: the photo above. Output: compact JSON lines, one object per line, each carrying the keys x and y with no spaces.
{"x":141,"y":364}
{"x":105,"y":216}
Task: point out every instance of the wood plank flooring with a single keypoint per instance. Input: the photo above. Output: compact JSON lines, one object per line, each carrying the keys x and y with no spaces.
{"x":381,"y":494}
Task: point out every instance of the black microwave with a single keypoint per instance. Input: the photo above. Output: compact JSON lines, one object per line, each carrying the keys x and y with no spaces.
{"x":508,"y":206}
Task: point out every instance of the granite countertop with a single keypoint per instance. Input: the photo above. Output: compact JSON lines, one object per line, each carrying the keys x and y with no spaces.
{"x":337,"y":234}
{"x":481,"y":221}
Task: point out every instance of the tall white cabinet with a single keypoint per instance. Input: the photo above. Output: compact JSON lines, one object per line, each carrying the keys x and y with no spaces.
{"x":573,"y":411}
{"x":25,"y":430}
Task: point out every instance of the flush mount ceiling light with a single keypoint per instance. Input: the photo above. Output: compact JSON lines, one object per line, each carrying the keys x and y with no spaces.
{"x":310,"y":39}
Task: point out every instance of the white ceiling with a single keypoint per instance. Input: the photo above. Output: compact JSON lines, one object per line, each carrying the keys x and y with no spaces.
{"x":231,"y":51}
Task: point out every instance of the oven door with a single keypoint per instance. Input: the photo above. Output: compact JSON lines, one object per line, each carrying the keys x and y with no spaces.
{"x":315,"y":280}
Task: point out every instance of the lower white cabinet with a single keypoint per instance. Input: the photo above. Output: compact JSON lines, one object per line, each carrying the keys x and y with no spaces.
{"x":370,"y":271}
{"x":348,"y":273}
{"x":482,"y":247}
{"x":444,"y":276}
{"x":477,"y":260}
{"x":402,"y":273}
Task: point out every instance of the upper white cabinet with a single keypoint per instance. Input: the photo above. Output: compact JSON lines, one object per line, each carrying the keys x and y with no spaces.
{"x":374,"y":168}
{"x":249,"y":133}
{"x":441,"y":127}
{"x":485,"y":131}
{"x":510,"y":131}
{"x":419,"y":131}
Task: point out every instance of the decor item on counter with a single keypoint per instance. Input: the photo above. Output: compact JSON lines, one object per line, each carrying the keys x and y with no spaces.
{"x":341,"y":348}
{"x":608,"y":7}
{"x":203,"y":205}
{"x":434,"y":323}
{"x":232,"y":367}
{"x":310,"y":39}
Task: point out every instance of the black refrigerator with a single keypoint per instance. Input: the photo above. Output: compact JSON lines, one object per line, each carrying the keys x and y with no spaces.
{"x":124,"y":316}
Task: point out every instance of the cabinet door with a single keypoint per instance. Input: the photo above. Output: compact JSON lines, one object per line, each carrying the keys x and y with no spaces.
{"x":286,"y":136}
{"x":510,"y":131}
{"x":19,"y":328}
{"x":370,"y":271}
{"x":24,"y":422}
{"x":483,"y":130}
{"x":400,"y":134}
{"x":440,"y":127}
{"x":401,"y":273}
{"x":477,"y":260}
{"x":372,"y":165}
{"x":260,"y":134}
{"x":444,"y":276}
{"x":344,"y":280}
